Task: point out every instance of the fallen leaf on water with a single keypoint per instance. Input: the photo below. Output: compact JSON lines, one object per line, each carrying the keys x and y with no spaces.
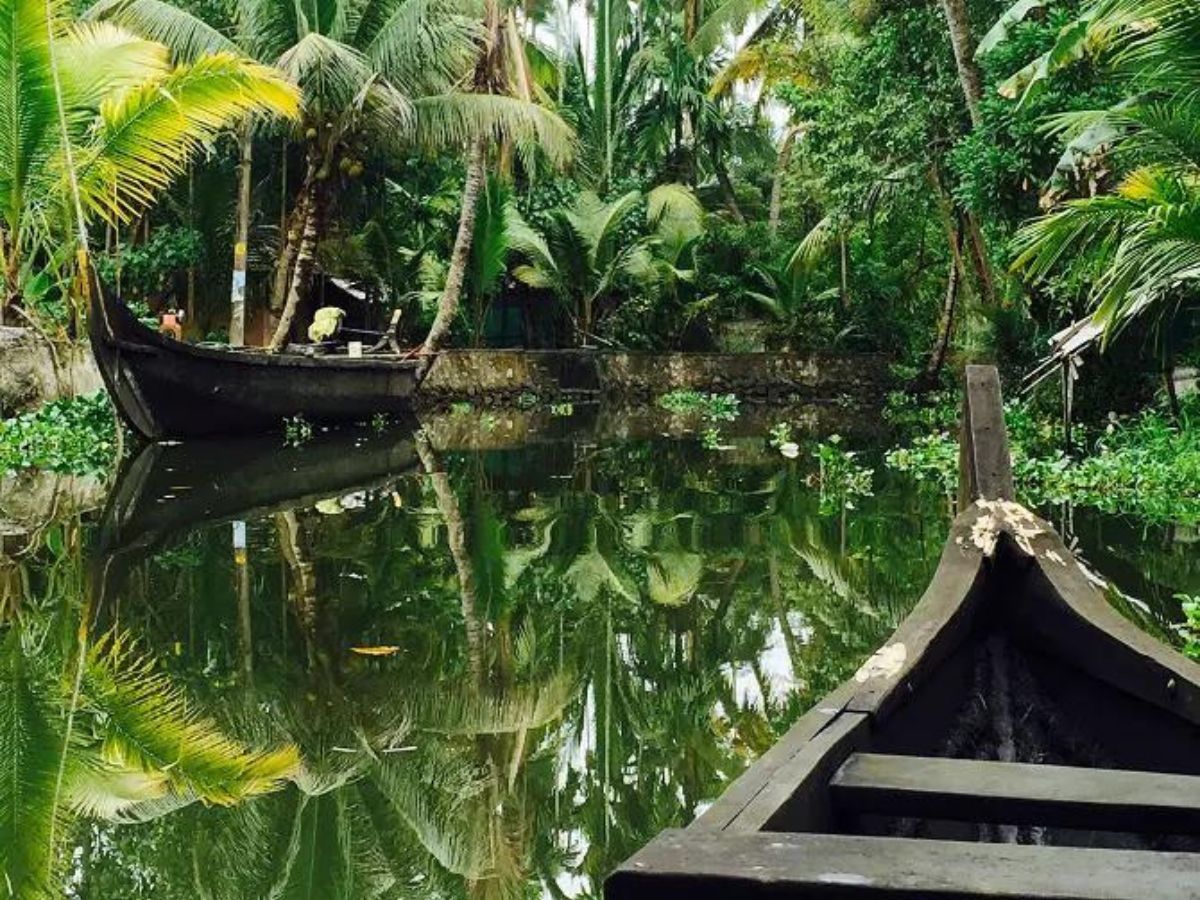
{"x":385,"y":650}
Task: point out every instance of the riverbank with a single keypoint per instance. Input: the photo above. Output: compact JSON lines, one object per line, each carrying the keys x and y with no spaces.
{"x":507,"y":377}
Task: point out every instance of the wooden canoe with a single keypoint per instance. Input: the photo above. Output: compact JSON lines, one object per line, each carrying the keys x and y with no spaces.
{"x":1015,"y":737}
{"x":168,"y":389}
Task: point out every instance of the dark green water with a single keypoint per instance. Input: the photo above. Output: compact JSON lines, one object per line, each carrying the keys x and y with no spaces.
{"x":437,"y":671}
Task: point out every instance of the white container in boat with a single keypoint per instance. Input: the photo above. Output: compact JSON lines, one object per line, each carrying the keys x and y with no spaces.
{"x":354,"y":348}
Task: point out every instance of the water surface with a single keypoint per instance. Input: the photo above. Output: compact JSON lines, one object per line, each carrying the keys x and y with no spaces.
{"x":492,"y":659}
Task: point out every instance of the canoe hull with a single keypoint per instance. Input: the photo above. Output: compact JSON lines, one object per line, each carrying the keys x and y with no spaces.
{"x":1015,"y":737}
{"x":167,"y":389}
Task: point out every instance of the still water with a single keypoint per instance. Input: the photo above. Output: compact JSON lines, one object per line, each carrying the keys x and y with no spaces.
{"x":491,"y":659}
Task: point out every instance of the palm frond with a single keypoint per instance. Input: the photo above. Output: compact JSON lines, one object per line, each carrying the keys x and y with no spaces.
{"x":1143,"y":241}
{"x":148,"y":725}
{"x":30,"y":754}
{"x":147,"y":135}
{"x":674,"y":577}
{"x":599,"y":223}
{"x":187,"y":36}
{"x":452,"y":120}
{"x":523,"y":239}
{"x":421,"y":46}
{"x":27,"y":107}
{"x":675,"y":203}
{"x":100,"y":58}
{"x":426,"y":791}
{"x":466,"y":711}
{"x":102,"y":791}
{"x":813,"y":246}
{"x":728,"y":19}
{"x":331,"y":74}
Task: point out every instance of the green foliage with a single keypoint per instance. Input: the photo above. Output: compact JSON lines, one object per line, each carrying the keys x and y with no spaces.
{"x":712,"y":439}
{"x":1138,"y":244}
{"x":930,"y":457}
{"x":1146,"y":465}
{"x":73,"y":435}
{"x":996,"y":165}
{"x":714,"y":407}
{"x":149,"y":270}
{"x":297,"y":430}
{"x":593,"y":254}
{"x":780,"y":434}
{"x":841,"y":478}
{"x":1189,"y":629}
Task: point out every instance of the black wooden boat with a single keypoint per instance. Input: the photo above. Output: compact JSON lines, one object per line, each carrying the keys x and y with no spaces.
{"x":169,"y":389}
{"x":1015,"y":737}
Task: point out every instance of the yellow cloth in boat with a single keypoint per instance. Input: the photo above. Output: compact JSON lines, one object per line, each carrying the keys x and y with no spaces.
{"x":325,"y":323}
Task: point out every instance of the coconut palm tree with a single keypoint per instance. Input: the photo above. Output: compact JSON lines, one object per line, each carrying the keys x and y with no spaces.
{"x":389,"y":74}
{"x":131,"y":122}
{"x":584,"y":257}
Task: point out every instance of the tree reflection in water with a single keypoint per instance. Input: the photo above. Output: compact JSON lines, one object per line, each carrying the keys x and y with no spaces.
{"x":500,"y":674}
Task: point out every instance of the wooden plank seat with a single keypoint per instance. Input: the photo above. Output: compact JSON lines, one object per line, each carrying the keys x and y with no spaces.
{"x":1018,"y":794}
{"x":698,"y":865}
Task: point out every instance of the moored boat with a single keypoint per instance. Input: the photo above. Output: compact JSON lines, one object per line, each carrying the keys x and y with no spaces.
{"x":167,"y":389}
{"x":1016,"y":737}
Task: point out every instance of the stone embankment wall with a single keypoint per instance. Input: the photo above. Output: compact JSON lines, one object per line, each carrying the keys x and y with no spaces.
{"x":34,"y":370}
{"x":501,"y":376}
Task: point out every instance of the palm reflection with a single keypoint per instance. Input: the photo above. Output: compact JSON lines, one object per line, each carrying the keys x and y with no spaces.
{"x":501,"y":674}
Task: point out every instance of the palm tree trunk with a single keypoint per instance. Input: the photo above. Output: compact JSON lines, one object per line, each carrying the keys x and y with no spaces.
{"x":9,"y":254}
{"x":237,"y":292}
{"x":291,"y":241}
{"x":964,"y":55}
{"x":460,"y":256}
{"x":979,"y":260}
{"x":587,"y":309}
{"x":947,"y":216}
{"x":781,"y":163}
{"x":306,"y":254}
{"x":845,"y":271}
{"x":456,"y":537}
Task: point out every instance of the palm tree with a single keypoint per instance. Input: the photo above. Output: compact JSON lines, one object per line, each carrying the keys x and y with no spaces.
{"x":584,"y":258}
{"x":134,"y":123}
{"x":1139,"y":245}
{"x":502,"y":72}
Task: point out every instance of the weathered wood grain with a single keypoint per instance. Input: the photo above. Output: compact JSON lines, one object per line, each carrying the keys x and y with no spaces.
{"x":1018,"y":793}
{"x":985,"y":466}
{"x":703,"y":865}
{"x":797,"y":797}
